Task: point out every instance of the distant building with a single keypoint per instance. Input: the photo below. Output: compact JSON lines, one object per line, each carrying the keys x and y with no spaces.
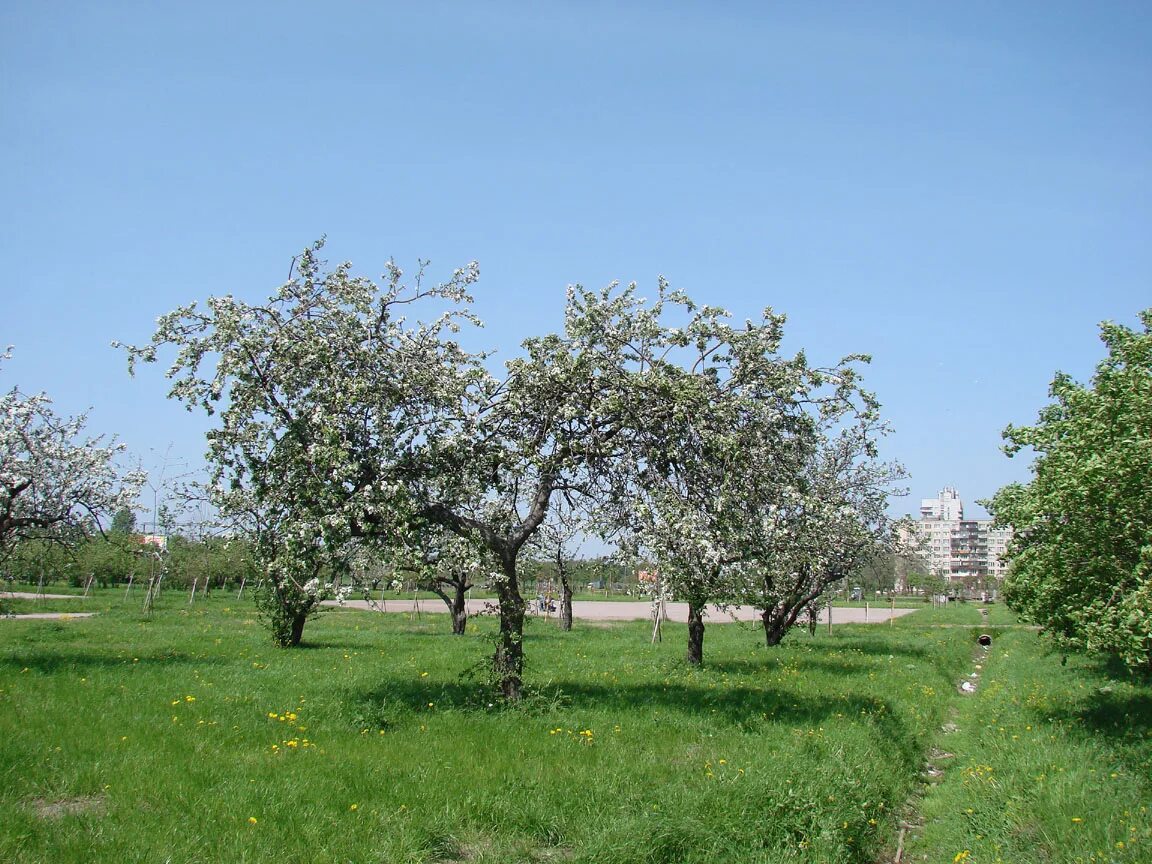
{"x":157,"y":540}
{"x":947,"y":508}
{"x":969,"y":552}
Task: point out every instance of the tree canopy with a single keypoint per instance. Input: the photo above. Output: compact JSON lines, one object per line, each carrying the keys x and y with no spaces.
{"x":55,"y":484}
{"x":344,"y":424}
{"x":1081,"y":559}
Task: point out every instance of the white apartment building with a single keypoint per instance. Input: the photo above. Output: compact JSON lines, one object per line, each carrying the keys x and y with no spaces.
{"x":965,"y":551}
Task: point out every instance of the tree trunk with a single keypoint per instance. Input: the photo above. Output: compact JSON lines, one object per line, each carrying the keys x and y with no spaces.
{"x":565,"y":603}
{"x":459,"y":609}
{"x":774,"y":628}
{"x":508,"y":662}
{"x":695,"y":633}
{"x":297,"y":629}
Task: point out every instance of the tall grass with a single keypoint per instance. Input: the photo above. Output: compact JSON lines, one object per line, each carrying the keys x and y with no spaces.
{"x":1052,"y":762}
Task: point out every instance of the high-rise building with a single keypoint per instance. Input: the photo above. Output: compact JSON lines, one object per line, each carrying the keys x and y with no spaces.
{"x":969,"y":552}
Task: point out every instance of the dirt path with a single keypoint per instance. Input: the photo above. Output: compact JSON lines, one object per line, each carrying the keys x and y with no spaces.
{"x":623,"y":610}
{"x":44,"y":616}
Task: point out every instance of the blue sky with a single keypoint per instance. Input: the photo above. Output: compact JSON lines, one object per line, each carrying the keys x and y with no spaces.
{"x":961,"y":190}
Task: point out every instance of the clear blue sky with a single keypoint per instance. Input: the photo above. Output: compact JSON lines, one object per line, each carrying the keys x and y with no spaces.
{"x":960,"y":189}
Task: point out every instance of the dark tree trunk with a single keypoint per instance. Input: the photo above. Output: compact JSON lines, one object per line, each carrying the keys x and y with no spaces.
{"x":783,"y":616}
{"x":459,"y":608}
{"x":508,"y":661}
{"x":695,"y":633}
{"x":456,"y":601}
{"x":565,"y":603}
{"x":774,"y":627}
{"x":297,"y":629}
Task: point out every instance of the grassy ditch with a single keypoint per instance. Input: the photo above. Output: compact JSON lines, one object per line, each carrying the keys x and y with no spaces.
{"x":1050,"y":760}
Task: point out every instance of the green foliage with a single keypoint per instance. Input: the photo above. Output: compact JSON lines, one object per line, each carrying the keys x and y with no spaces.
{"x":112,"y":560}
{"x":1081,"y":560}
{"x":31,"y":560}
{"x":284,"y":606}
{"x":123,"y":521}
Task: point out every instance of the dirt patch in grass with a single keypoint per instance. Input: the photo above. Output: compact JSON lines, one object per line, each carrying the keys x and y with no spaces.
{"x":62,"y":807}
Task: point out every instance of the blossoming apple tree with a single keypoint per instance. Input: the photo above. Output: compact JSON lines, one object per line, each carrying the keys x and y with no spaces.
{"x":829,"y":523}
{"x":323,"y":393}
{"x":55,"y":484}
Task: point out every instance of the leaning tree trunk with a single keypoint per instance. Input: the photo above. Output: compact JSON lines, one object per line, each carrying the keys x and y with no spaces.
{"x":297,"y":630}
{"x":695,"y":633}
{"x":775,"y":626}
{"x":508,"y":662}
{"x":782,"y":617}
{"x":456,"y":601}
{"x":565,"y":603}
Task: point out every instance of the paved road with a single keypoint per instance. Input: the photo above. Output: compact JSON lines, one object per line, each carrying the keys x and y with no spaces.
{"x":622,"y":610}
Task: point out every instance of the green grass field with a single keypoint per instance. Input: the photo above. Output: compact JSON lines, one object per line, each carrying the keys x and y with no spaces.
{"x":188,"y":738}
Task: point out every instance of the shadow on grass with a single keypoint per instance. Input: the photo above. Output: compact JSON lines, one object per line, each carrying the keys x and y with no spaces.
{"x":1113,"y":713}
{"x":48,"y":662}
{"x":750,"y":709}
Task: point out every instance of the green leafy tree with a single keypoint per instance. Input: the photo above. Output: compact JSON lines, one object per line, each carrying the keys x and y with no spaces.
{"x":1080,"y":563}
{"x":123,"y":522}
{"x":112,"y":560}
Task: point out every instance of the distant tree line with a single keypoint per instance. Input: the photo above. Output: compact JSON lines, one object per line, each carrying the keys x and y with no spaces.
{"x":122,"y":555}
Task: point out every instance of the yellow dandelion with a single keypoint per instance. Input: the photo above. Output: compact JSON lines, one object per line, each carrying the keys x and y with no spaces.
{"x":251,"y":820}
